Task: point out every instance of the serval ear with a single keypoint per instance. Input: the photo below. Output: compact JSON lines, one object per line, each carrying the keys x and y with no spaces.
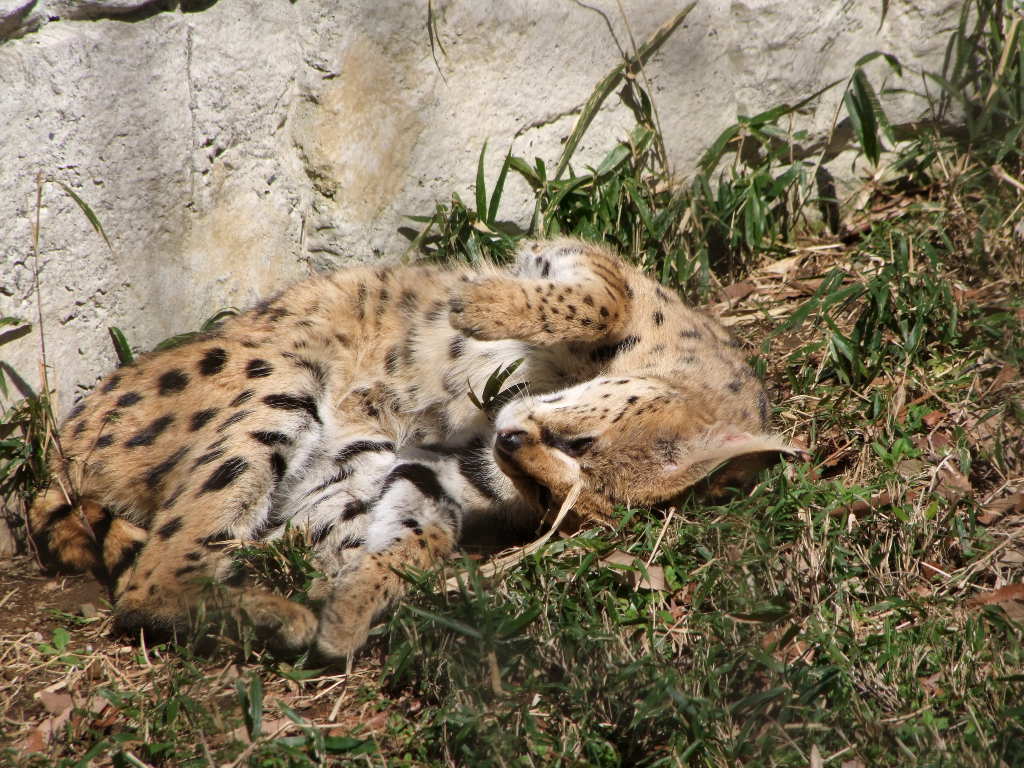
{"x":727,"y":459}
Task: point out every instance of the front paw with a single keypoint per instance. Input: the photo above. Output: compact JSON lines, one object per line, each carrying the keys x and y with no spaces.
{"x":344,"y":627}
{"x":361,"y":594}
{"x":483,"y":309}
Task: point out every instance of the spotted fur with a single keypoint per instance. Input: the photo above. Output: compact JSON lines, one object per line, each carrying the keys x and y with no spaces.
{"x":339,"y":408}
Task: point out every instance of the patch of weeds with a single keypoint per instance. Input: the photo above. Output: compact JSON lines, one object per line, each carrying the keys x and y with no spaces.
{"x":284,"y":565}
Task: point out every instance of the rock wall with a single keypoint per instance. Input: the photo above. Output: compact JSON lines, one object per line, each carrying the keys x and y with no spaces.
{"x":228,"y":147}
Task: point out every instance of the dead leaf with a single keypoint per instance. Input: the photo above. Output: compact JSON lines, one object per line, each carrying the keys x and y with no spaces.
{"x":983,"y":431}
{"x":996,"y":510}
{"x":1010,"y":598}
{"x":55,"y":726}
{"x":806,"y":287}
{"x":1006,"y":375}
{"x":851,"y":764}
{"x":782,"y":267}
{"x":641,"y":575}
{"x":932,"y":418}
{"x":738,"y":291}
{"x":860,"y":507}
{"x":792,"y":651}
{"x":929,"y":684}
{"x":951,"y":483}
{"x":54,"y":703}
{"x":276,"y":727}
{"x":935,"y":445}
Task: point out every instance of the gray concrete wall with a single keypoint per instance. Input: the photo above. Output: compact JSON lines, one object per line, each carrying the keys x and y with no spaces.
{"x":232,"y":146}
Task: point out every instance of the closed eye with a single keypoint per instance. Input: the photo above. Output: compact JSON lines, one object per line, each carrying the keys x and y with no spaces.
{"x":570,"y":446}
{"x":578,"y":446}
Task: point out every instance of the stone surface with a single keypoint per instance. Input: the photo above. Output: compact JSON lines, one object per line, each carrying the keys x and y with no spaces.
{"x":229,"y":147}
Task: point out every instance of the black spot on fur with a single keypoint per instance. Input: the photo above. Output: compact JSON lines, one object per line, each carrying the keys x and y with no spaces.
{"x":243,"y":397}
{"x":690,"y":333}
{"x":185,"y":570}
{"x":215,"y":538}
{"x":79,"y":428}
{"x":113,"y":383}
{"x":224,"y":475}
{"x":456,"y":347}
{"x":271,"y":438}
{"x":76,"y":411}
{"x":128,"y":398}
{"x":209,"y":456}
{"x":278,"y":314}
{"x":201,"y":418}
{"x":288,"y":402}
{"x":194,"y":556}
{"x":313,"y":368}
{"x":171,"y":500}
{"x":632,"y":399}
{"x":605,"y":353}
{"x":408,"y":300}
{"x":56,"y":515}
{"x":233,"y":419}
{"x":354,"y":508}
{"x":149,"y":434}
{"x":361,"y":301}
{"x":391,"y":360}
{"x":155,"y":475}
{"x":213,"y":361}
{"x":658,"y":318}
{"x":278,"y":466}
{"x":169,"y":528}
{"x":413,"y":525}
{"x":435,"y":312}
{"x":735,"y":385}
{"x":421,"y":476}
{"x":104,"y":441}
{"x":473,"y":466}
{"x":124,"y":560}
{"x":546,"y":269}
{"x":320,"y":534}
{"x":353,"y":449}
{"x":174,"y":380}
{"x":763,"y":408}
{"x":258,"y":369}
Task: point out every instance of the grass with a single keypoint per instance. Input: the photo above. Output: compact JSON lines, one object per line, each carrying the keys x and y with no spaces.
{"x":829,"y":617}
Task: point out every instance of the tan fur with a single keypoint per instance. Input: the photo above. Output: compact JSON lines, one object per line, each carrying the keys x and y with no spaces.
{"x":340,"y":408}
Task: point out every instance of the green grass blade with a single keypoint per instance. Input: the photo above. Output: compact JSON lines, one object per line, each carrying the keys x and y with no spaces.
{"x":84,"y":207}
{"x":453,"y":624}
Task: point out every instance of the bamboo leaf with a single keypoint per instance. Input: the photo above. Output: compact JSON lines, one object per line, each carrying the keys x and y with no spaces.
{"x":481,"y":189}
{"x":610,"y":81}
{"x":121,"y":346}
{"x":492,"y":211}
